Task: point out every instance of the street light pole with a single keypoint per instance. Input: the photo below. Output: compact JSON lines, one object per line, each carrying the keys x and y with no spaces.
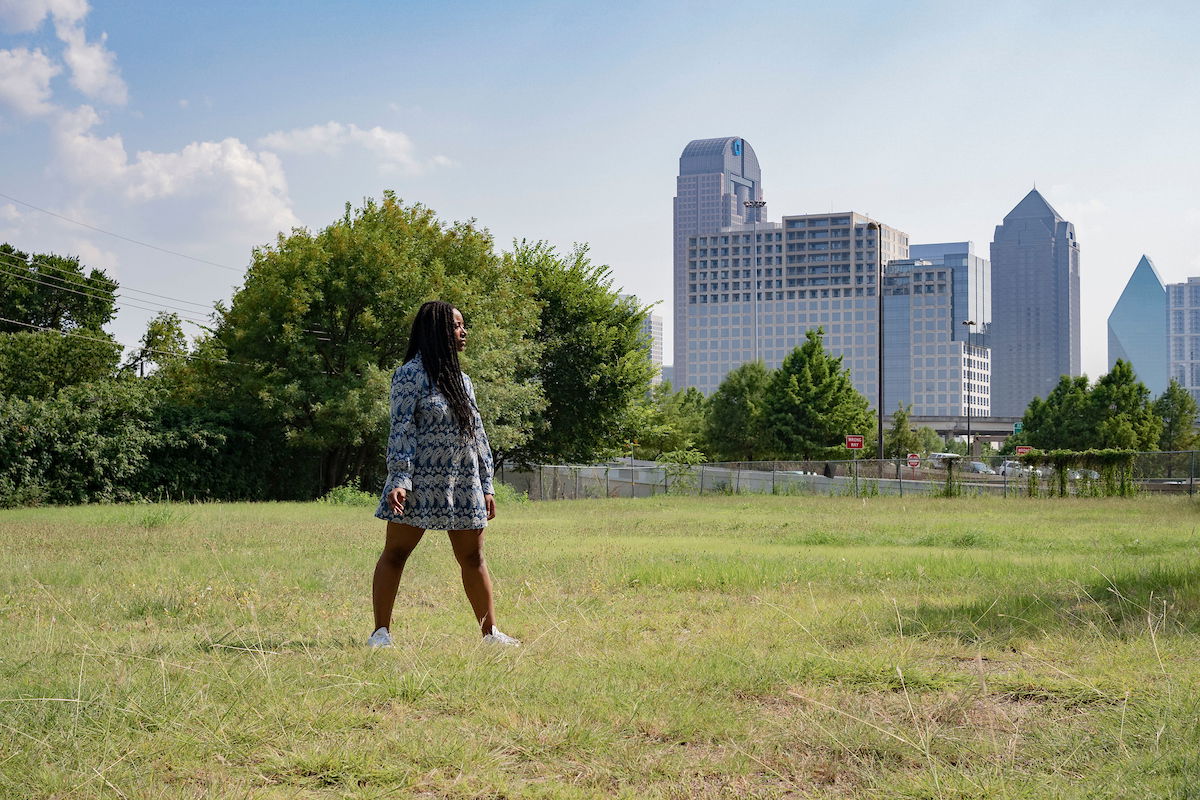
{"x":969,"y":323}
{"x":755,"y":205}
{"x":878,"y":228}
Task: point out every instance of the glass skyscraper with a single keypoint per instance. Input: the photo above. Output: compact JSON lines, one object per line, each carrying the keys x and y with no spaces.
{"x":1035,"y":305}
{"x":1137,"y":327}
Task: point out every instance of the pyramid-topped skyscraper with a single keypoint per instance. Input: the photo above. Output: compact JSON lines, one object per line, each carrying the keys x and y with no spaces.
{"x":1035,"y":304}
{"x":1137,"y":327}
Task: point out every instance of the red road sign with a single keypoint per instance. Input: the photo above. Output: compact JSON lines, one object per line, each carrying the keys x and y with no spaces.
{"x":1022,"y":449}
{"x":914,"y":460}
{"x":854,"y":441}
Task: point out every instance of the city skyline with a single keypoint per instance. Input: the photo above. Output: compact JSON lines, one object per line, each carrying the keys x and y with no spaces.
{"x":207,"y":129}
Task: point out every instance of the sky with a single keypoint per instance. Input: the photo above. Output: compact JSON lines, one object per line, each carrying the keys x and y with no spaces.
{"x":206,"y":129}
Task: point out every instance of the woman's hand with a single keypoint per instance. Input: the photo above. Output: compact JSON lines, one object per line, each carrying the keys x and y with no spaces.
{"x":396,"y":498}
{"x":489,"y":500}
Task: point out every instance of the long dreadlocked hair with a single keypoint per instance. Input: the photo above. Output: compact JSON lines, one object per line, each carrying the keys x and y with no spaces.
{"x":433,"y":337}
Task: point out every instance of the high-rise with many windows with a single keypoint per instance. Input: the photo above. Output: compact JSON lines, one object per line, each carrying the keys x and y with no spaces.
{"x":716,"y":179}
{"x":1137,"y":327}
{"x":1183,"y":333}
{"x":762,"y":286}
{"x":1035,"y":304}
{"x":933,"y":360}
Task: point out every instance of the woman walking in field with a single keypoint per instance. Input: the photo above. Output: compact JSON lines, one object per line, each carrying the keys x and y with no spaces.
{"x":439,"y":469}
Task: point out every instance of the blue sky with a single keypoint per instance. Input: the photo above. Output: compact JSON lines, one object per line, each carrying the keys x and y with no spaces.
{"x":206,"y":128}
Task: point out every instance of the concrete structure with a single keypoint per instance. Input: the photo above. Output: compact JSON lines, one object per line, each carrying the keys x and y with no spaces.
{"x":931,"y":360}
{"x":1183,"y":331}
{"x":1035,"y":304}
{"x":807,"y":271}
{"x":1137,"y":327}
{"x":716,"y":178}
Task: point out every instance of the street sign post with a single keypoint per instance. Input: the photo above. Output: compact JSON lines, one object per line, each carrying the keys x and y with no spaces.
{"x":854,"y":441}
{"x":914,"y":460}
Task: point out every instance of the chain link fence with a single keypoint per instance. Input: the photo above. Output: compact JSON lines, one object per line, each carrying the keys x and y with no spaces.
{"x":939,"y":474}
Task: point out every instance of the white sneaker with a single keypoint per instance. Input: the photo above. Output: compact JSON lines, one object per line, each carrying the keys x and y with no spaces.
{"x":380,"y":638}
{"x":496,"y":637}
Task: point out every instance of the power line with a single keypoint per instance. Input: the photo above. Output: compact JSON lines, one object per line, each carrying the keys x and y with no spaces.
{"x":16,"y":262}
{"x":122,"y":304}
{"x":124,"y":286}
{"x":119,"y":236}
{"x":109,"y":341}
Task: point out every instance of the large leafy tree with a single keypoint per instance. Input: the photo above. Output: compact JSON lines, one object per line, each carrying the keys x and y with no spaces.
{"x":54,"y":292}
{"x":733,"y":427}
{"x":593,"y":362}
{"x":322,"y":320}
{"x":51,"y":313}
{"x":811,"y":403}
{"x":1114,"y":413}
{"x":1178,"y":411}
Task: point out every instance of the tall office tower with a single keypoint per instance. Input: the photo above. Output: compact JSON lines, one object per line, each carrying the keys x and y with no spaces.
{"x":716,"y":178}
{"x":811,"y":270}
{"x":1183,"y":309}
{"x":1035,"y":305}
{"x":1137,"y":327}
{"x":932,"y":360}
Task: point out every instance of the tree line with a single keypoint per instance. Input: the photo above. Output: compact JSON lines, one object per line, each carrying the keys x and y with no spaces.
{"x":284,"y":394}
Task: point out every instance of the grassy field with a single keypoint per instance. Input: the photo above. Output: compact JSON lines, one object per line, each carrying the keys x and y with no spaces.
{"x":674,"y":647}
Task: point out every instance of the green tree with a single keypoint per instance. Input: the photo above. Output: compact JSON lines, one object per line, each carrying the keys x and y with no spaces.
{"x":928,"y":440}
{"x":163,"y":344}
{"x":1063,"y":421}
{"x":669,"y":421}
{"x":900,"y":439}
{"x":322,"y":320}
{"x":811,"y":403}
{"x":733,"y":426}
{"x":1178,"y":411}
{"x":53,"y":292}
{"x":1123,"y":414}
{"x":593,"y":363}
{"x":39,"y":363}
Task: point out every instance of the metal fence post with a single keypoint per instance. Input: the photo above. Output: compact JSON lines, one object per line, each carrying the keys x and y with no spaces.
{"x":1192,"y":475}
{"x":701,"y":479}
{"x":900,"y":476}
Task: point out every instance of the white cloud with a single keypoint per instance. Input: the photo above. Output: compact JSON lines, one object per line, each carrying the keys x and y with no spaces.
{"x":394,"y":149}
{"x":23,"y":16}
{"x":93,"y":68}
{"x":9,"y":213}
{"x":219,"y":183}
{"x":25,"y":80}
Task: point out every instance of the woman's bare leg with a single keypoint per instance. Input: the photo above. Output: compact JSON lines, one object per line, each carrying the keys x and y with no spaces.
{"x":468,"y":550}
{"x":400,"y":542}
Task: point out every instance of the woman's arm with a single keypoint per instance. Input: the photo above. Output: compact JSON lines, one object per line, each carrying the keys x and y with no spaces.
{"x":482,"y":447}
{"x":402,"y":440}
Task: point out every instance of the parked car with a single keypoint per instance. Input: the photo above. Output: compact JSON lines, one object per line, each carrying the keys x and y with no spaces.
{"x":1083,"y":475}
{"x":980,"y":468}
{"x":939,"y":460}
{"x":1015,"y":469}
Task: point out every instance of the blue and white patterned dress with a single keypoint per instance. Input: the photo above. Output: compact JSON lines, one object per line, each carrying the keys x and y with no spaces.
{"x":445,"y":473}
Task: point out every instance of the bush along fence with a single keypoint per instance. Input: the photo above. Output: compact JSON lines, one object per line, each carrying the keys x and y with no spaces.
{"x":1092,"y":473}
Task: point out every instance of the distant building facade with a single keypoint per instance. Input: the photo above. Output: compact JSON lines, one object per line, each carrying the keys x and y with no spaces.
{"x":1137,"y":327}
{"x":932,"y":360}
{"x":811,"y":270}
{"x":1183,"y":330}
{"x":716,"y":178}
{"x":652,"y":332}
{"x":1035,"y":334}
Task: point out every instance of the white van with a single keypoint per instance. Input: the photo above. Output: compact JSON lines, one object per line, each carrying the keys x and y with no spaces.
{"x":938,"y":460}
